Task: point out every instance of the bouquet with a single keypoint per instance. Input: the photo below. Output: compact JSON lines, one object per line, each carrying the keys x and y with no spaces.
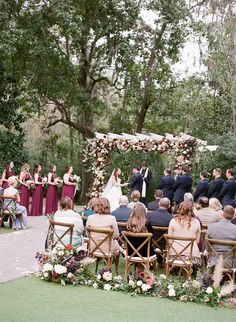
{"x":75,"y":178}
{"x":44,"y":180}
{"x":30,"y":184}
{"x":58,"y":182}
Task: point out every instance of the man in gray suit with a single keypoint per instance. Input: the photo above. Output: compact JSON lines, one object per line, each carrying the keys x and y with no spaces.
{"x":223,"y":230}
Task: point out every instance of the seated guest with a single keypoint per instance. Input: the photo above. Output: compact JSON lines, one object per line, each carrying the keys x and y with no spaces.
{"x":89,"y":210}
{"x":184,"y":224}
{"x":11,"y":191}
{"x":205,"y":213}
{"x":154,"y":205}
{"x":223,"y":230}
{"x":123,"y":212}
{"x":68,"y":216}
{"x":166,"y":185}
{"x":215,"y":205}
{"x":233,"y":221}
{"x":138,"y":223}
{"x":188,"y":197}
{"x":160,"y":217}
{"x":135,"y":197}
{"x":102,"y":219}
{"x":202,"y":187}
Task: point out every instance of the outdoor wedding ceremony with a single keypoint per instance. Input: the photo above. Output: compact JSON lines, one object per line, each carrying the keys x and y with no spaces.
{"x":118,"y":160}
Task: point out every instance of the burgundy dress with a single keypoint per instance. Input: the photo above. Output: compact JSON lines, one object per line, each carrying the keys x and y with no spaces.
{"x":68,"y":191}
{"x":37,"y":200}
{"x":51,"y":198}
{"x":8,"y":175}
{"x":25,"y":194}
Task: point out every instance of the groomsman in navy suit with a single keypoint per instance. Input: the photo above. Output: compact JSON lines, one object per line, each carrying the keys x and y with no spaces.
{"x":137,"y":180}
{"x":182,"y":185}
{"x":216,"y":185}
{"x":166,"y":185}
{"x":202,"y":187}
{"x":228,"y":191}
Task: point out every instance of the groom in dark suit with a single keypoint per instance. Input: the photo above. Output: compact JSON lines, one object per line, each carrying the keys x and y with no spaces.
{"x":137,"y":180}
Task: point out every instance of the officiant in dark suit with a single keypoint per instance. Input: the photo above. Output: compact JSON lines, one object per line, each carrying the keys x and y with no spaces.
{"x":137,"y":180}
{"x":146,"y":174}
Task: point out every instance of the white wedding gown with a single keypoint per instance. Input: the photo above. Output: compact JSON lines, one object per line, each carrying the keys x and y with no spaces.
{"x":113,"y":192}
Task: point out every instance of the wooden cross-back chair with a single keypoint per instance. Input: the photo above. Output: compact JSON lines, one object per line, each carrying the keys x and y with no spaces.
{"x":202,"y":248}
{"x":96,"y":250}
{"x":8,"y":211}
{"x":177,"y":258}
{"x":161,"y":251}
{"x":228,"y":255}
{"x":68,"y":230}
{"x":137,"y":258}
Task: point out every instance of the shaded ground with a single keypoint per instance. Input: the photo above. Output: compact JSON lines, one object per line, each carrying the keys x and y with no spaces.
{"x":36,"y":300}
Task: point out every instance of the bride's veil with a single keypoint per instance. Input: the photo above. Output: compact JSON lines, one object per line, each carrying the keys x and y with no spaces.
{"x":109,"y":184}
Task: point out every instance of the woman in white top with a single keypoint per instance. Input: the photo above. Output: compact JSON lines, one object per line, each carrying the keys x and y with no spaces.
{"x":68,"y":216}
{"x":113,"y":190}
{"x":11,"y":191}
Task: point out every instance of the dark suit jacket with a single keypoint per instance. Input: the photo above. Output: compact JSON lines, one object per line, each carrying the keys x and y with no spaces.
{"x":182,"y":185}
{"x":136,"y":182}
{"x":122,"y":213}
{"x":201,"y":189}
{"x":160,"y":217}
{"x":166,"y":185}
{"x":227,"y":193}
{"x":215,"y":188}
{"x":153,"y":205}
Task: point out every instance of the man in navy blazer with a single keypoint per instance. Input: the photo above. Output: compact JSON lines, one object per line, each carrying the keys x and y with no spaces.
{"x":216,"y":185}
{"x":137,"y":180}
{"x":202,"y":187}
{"x":228,"y":191}
{"x":166,"y":185}
{"x":182,"y":185}
{"x":123,"y":212}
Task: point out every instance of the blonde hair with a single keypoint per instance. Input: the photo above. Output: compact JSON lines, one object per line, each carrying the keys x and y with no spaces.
{"x":215,"y":204}
{"x":137,"y":220}
{"x":12,"y":180}
{"x":25,"y":167}
{"x":102,"y":206}
{"x":185,"y":213}
{"x":66,"y":203}
{"x":135,"y":196}
{"x":92,"y":202}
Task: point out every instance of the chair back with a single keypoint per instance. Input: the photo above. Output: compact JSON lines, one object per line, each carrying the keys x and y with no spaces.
{"x":174,"y":254}
{"x":159,"y":242}
{"x":68,"y":230}
{"x":228,"y":255}
{"x":98,"y":239}
{"x":7,"y":204}
{"x":146,"y":237}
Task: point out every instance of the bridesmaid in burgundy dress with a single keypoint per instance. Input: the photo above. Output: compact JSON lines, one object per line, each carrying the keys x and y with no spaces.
{"x":37,"y":198}
{"x":7,"y":173}
{"x":68,"y":189}
{"x":51,"y":198}
{"x":24,"y":187}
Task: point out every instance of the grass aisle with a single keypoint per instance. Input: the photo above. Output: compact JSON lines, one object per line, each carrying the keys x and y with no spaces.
{"x":30,"y":299}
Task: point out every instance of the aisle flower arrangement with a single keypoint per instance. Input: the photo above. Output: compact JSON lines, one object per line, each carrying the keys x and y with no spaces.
{"x":70,"y":265}
{"x":64,"y":265}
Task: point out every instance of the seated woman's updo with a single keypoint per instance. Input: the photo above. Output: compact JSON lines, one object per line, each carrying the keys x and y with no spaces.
{"x":102,"y":206}
{"x":66,"y":203}
{"x":135,"y":196}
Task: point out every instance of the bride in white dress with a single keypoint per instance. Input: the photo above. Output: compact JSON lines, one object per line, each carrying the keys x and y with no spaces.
{"x":113,"y":190}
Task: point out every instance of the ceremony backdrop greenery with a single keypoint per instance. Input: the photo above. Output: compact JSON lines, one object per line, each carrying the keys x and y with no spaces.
{"x":70,"y":68}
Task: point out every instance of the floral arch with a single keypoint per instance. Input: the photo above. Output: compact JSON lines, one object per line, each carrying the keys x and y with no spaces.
{"x":97,"y":150}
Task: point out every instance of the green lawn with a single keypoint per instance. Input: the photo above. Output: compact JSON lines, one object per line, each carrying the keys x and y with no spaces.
{"x":30,"y":299}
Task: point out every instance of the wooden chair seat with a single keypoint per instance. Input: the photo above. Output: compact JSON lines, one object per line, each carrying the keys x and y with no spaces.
{"x":179,"y":263}
{"x":137,"y":259}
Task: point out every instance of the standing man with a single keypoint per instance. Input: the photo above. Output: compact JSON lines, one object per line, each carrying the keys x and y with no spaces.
{"x":147,"y":177}
{"x":216,"y":185}
{"x":182,"y":185}
{"x":202,"y":187}
{"x":137,"y":180}
{"x":227,"y":193}
{"x":166,"y":185}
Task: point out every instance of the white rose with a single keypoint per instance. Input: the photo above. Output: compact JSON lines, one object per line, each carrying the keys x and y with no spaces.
{"x":139,"y":283}
{"x":196,"y":284}
{"x":47,"y":267}
{"x":131,"y":283}
{"x":59,"y":269}
{"x":60,"y":253}
{"x":209,"y":290}
{"x":117,"y":285}
{"x":45,"y":274}
{"x":107,"y":287}
{"x":95,"y":285}
{"x":118,"y":278}
{"x":170,"y":287}
{"x":107,"y":276}
{"x":145,"y":287}
{"x":70,"y":275}
{"x":171,"y":292}
{"x":99,"y":276}
{"x":163,"y":276}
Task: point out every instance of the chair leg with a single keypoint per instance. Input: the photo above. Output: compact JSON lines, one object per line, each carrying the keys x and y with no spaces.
{"x":117,"y":258}
{"x":96,"y":265}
